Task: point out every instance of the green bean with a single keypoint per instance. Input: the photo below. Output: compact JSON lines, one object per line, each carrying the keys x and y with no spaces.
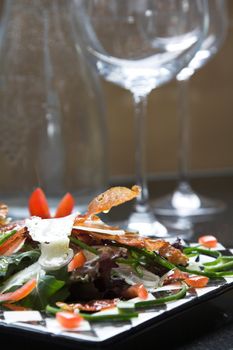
{"x":163,"y":300}
{"x":209,"y":274}
{"x":219,"y":267}
{"x":219,"y":260}
{"x":108,"y":317}
{"x":83,"y":245}
{"x":151,"y":257}
{"x":52,"y":309}
{"x":213,"y":253}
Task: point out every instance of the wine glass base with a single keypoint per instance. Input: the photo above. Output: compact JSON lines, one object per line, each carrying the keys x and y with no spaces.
{"x":146,"y":224}
{"x":181,"y":227}
{"x":188,"y":204}
{"x":149,"y":226}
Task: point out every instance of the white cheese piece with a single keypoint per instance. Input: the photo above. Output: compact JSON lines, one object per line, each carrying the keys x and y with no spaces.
{"x":53,"y":236}
{"x":55,"y":254}
{"x":50,"y":230}
{"x":99,"y":227}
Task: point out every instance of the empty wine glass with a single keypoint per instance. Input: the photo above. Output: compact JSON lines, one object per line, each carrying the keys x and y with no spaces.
{"x":140,"y":45}
{"x":184,"y":201}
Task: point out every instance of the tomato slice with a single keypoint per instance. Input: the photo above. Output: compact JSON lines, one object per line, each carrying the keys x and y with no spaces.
{"x":197,"y":281}
{"x":20,"y":293}
{"x":142,"y":292}
{"x":65,"y":206}
{"x":137,"y":290}
{"x":38,"y":205}
{"x":77,"y":261}
{"x":68,"y":319}
{"x":208,"y":241}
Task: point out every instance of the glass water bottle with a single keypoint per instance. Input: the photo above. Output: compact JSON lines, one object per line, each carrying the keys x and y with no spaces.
{"x":52,"y":130}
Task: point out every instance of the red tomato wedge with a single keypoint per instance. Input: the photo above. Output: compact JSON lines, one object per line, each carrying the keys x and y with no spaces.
{"x":197,"y":281}
{"x":208,"y":241}
{"x":65,"y":206}
{"x":77,"y":261}
{"x":68,"y":319}
{"x":137,"y":290}
{"x":20,"y":293}
{"x":38,"y":205}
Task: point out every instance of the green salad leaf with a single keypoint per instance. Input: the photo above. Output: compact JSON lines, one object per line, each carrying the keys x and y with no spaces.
{"x":16,"y":262}
{"x":49,"y":290}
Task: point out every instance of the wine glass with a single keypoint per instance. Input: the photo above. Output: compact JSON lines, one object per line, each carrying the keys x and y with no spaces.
{"x":184,"y":201}
{"x":140,"y":45}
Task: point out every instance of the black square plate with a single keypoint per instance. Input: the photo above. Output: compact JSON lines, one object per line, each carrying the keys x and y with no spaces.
{"x":209,"y":304}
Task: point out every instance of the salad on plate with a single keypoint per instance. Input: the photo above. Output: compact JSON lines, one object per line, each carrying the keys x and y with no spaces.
{"x":77,"y":267}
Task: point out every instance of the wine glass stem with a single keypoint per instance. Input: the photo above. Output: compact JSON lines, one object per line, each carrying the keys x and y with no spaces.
{"x":140,"y":109}
{"x":184,"y":130}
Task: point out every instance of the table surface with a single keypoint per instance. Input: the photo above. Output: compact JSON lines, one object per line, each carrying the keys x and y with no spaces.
{"x":211,"y":326}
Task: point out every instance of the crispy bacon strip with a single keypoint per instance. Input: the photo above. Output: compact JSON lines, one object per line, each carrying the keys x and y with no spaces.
{"x":129,"y":238}
{"x":173,"y":255}
{"x":164,"y":248}
{"x":111,"y":198}
{"x":91,"y":306}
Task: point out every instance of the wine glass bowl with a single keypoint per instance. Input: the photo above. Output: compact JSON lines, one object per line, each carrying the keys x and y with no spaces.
{"x":140,"y":45}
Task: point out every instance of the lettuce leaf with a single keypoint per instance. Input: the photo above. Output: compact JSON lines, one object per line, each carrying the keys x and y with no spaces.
{"x":49,"y":290}
{"x":16,"y":262}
